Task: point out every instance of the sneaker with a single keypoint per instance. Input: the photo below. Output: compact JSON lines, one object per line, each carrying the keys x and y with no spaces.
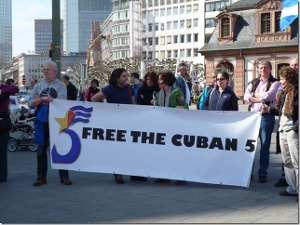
{"x":262,"y":179}
{"x":281,"y":183}
{"x":40,"y":181}
{"x":65,"y":181}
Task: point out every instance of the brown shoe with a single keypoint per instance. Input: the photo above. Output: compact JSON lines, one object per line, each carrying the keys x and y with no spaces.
{"x":39,"y":182}
{"x":65,"y":181}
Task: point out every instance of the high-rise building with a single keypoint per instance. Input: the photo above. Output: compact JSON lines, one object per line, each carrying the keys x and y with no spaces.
{"x":5,"y":32}
{"x":78,"y":17}
{"x":43,"y":35}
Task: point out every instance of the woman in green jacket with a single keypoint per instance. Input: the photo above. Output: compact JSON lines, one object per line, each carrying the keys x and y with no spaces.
{"x":169,"y":95}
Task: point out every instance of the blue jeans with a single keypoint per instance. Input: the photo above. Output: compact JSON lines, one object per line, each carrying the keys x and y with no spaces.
{"x":265,"y":134}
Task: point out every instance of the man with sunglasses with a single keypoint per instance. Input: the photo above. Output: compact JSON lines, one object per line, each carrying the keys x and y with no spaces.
{"x":42,"y":94}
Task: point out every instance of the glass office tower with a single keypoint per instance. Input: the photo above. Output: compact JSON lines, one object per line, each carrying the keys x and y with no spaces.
{"x":77,"y":16}
{"x":5,"y":32}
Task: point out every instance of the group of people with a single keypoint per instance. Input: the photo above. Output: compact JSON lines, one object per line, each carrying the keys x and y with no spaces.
{"x":167,"y":89}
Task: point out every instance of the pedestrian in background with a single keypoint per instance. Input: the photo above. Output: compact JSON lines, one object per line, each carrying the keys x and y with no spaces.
{"x":263,"y":90}
{"x":287,"y":109}
{"x":183,"y":83}
{"x":135,"y":85}
{"x":71,"y":89}
{"x":92,"y":90}
{"x":148,"y":87}
{"x":5,"y":125}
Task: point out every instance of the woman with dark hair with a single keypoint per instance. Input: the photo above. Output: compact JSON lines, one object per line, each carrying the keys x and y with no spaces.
{"x":287,"y":109}
{"x":169,"y":95}
{"x":10,"y":81}
{"x":149,"y":86}
{"x":92,"y":90}
{"x":221,"y":98}
{"x":118,"y":91}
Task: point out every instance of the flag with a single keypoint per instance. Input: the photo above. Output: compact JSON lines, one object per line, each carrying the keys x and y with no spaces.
{"x":289,"y":13}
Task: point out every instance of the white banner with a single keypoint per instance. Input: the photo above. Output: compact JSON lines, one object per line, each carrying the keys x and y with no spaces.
{"x":202,"y":146}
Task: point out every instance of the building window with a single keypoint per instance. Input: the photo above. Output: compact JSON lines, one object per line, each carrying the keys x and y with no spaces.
{"x":175,"y":10}
{"x":175,"y":53}
{"x":169,"y":53}
{"x":169,"y":2}
{"x":188,"y":8}
{"x":195,"y":52}
{"x":195,"y":37}
{"x":265,"y":23}
{"x":182,"y":24}
{"x":155,"y":2}
{"x":162,"y":40}
{"x":182,"y":53}
{"x":162,"y":12}
{"x":225,"y":24}
{"x":150,"y":55}
{"x":156,"y":26}
{"x":188,"y":52}
{"x":175,"y":24}
{"x":150,"y":27}
{"x":277,"y":21}
{"x":162,"y":54}
{"x":169,"y":11}
{"x":196,"y":22}
{"x":156,"y":13}
{"x":169,"y":25}
{"x":162,"y":2}
{"x":182,"y":11}
{"x":162,"y":26}
{"x":150,"y":3}
{"x":169,"y":40}
{"x":188,"y":38}
{"x":195,"y":7}
{"x":188,"y":23}
{"x":207,"y":38}
{"x":175,"y":39}
{"x":150,"y":41}
{"x":175,"y":1}
{"x":182,"y":38}
{"x":210,"y":22}
{"x":156,"y":40}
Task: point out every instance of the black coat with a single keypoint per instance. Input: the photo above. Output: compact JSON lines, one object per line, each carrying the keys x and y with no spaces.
{"x":71,"y":92}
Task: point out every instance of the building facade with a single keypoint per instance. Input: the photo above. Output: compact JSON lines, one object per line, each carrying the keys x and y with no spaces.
{"x":43,"y":35}
{"x":246,"y":33}
{"x":160,"y":29}
{"x":78,"y":16}
{"x":5,"y":32}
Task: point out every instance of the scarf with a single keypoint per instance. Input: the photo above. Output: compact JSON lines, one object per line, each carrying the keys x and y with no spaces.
{"x":289,"y":99}
{"x":164,"y":98}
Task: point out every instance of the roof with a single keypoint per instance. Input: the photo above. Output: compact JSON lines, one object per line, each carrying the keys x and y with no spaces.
{"x":244,"y":36}
{"x":242,"y":4}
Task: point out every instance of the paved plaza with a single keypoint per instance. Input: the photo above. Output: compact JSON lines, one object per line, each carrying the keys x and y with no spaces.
{"x":96,"y":198}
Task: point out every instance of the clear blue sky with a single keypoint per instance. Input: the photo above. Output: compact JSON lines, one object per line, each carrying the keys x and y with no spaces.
{"x":24,"y":12}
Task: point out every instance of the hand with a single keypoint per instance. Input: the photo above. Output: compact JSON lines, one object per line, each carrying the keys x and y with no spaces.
{"x":153,"y":102}
{"x":264,"y":108}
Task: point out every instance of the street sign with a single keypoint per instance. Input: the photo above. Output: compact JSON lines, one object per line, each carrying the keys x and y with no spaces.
{"x":23,"y":80}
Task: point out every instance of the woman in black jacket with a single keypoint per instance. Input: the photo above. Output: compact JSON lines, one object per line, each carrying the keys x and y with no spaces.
{"x":221,"y":98}
{"x":149,"y":86}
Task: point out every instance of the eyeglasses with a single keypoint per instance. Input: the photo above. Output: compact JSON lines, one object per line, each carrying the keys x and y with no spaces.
{"x":220,"y":79}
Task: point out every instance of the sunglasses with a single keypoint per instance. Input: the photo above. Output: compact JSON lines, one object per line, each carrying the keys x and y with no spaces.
{"x":220,"y":79}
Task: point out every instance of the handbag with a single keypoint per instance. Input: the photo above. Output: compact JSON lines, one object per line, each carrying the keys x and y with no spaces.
{"x":5,"y":123}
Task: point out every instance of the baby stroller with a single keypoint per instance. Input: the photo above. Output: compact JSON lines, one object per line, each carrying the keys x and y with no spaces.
{"x":22,"y":133}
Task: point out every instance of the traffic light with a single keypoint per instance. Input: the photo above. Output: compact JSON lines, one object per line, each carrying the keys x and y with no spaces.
{"x":52,"y":49}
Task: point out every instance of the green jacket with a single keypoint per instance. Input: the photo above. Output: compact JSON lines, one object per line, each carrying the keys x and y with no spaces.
{"x":176,"y":98}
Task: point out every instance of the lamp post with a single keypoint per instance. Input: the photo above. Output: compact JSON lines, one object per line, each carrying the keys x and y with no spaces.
{"x":55,"y":46}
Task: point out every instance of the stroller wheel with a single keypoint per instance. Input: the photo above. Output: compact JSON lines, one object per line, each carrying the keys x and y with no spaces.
{"x":32,"y":146}
{"x":12,"y":145}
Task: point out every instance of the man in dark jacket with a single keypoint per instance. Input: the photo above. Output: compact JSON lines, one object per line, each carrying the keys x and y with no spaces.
{"x":71,"y":89}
